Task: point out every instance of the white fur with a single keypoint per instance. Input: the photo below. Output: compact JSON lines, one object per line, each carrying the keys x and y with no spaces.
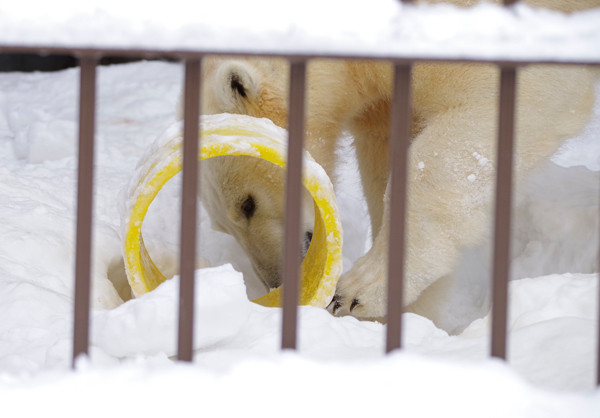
{"x":555,"y":230}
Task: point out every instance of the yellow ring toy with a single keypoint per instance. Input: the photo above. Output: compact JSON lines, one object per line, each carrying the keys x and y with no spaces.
{"x":234,"y":135}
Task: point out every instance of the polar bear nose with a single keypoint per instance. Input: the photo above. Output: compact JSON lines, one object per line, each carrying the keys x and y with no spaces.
{"x":307,"y":239}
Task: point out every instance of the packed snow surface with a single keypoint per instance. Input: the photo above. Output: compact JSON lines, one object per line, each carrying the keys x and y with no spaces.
{"x":353,"y":27}
{"x":340,"y":367}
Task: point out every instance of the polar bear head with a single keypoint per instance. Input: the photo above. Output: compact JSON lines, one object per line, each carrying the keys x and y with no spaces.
{"x":244,"y":198}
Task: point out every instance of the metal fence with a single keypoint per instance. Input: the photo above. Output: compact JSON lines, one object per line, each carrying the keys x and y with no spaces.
{"x":399,"y":140}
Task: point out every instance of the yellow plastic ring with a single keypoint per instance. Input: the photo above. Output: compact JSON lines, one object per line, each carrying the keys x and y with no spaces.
{"x":235,"y":135}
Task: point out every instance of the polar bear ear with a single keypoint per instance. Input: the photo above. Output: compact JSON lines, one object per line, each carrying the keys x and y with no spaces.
{"x":236,"y":84}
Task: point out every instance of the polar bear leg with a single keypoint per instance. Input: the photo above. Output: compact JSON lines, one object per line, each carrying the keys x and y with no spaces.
{"x":448,"y":208}
{"x":370,"y":132}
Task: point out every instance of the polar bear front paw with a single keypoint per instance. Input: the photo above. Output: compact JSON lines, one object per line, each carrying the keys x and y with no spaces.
{"x":361,"y":292}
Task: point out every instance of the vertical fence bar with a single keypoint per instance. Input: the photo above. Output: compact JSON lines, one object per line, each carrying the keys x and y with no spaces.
{"x":293,"y":196}
{"x":503,"y":205}
{"x":400,"y":125}
{"x":189,"y":192}
{"x":598,"y":310}
{"x":504,"y":199}
{"x":85,"y":178}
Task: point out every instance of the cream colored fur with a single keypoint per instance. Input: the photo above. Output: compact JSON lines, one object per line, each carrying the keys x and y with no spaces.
{"x":452,"y":154}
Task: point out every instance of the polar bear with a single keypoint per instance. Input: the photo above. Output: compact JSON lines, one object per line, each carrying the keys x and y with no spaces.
{"x":451,"y":162}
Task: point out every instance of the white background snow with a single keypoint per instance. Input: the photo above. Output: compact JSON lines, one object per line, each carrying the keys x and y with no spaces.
{"x":238,"y":368}
{"x":386,"y":27}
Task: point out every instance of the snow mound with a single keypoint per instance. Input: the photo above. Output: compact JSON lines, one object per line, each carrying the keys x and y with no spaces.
{"x":146,"y":325}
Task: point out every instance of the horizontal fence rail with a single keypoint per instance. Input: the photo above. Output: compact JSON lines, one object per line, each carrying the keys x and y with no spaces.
{"x":400,"y":126}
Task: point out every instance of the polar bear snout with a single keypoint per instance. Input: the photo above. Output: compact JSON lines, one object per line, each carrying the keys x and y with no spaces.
{"x":271,"y":276}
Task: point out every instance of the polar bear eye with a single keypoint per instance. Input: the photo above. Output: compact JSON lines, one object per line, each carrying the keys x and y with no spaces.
{"x":248,"y":207}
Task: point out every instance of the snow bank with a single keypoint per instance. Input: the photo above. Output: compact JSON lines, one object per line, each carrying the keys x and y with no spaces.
{"x":340,"y":368}
{"x":311,"y":26}
{"x":402,"y":385}
{"x":145,"y":325}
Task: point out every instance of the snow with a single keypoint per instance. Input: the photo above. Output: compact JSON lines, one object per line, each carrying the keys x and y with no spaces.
{"x":311,"y":26}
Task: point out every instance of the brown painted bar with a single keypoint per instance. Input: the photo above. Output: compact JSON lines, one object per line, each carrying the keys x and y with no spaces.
{"x":293,"y":196}
{"x":400,"y":121}
{"x":503,"y":206}
{"x":85,"y":179}
{"x":174,"y":54}
{"x":189,"y":193}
